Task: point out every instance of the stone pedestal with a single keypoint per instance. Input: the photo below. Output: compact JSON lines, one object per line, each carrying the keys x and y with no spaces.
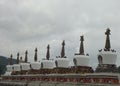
{"x":62,"y":70}
{"x":106,"y":68}
{"x":81,"y":69}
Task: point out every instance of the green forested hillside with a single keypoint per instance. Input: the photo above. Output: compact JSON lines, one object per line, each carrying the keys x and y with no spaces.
{"x":3,"y":63}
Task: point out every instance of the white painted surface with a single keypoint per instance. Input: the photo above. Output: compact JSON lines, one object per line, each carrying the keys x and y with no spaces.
{"x":108,"y":57}
{"x":16,"y":67}
{"x":7,"y":73}
{"x":49,"y":64}
{"x":63,"y":62}
{"x":25,"y":66}
{"x":82,"y":60}
{"x":9,"y":68}
{"x":35,"y":65}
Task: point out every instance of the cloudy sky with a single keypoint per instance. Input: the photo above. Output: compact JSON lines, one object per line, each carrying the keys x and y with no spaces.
{"x":27,"y":24}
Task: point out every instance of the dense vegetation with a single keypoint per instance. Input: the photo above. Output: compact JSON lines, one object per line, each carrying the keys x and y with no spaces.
{"x":3,"y":63}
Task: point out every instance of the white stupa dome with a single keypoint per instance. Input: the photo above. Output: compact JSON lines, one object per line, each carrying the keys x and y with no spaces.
{"x":82,"y":60}
{"x":35,"y":65}
{"x":107,"y":57}
{"x":9,"y":68}
{"x":47,"y":64}
{"x":16,"y":67}
{"x":25,"y":66}
{"x":62,"y":62}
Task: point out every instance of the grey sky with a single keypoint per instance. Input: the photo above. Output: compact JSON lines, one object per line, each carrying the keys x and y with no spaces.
{"x":26,"y":24}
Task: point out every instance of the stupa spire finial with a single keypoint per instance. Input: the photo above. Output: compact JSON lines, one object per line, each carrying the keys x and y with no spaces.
{"x":26,"y":57}
{"x":107,"y":44}
{"x":18,"y":58}
{"x":35,"y":57}
{"x":81,"y":50}
{"x":10,"y":61}
{"x":21,"y":59}
{"x":63,"y":49}
{"x":48,"y":52}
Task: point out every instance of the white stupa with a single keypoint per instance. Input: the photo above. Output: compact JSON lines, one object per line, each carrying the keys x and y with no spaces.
{"x":17,"y":67}
{"x":9,"y":67}
{"x":25,"y":66}
{"x":63,"y":61}
{"x":81,"y":59}
{"x":107,"y":56}
{"x":35,"y":65}
{"x":47,"y":63}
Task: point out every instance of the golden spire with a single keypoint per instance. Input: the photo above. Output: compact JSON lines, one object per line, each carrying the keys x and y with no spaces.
{"x":35,"y":57}
{"x":63,"y":49}
{"x":48,"y":52}
{"x":26,"y":58}
{"x":107,"y":44}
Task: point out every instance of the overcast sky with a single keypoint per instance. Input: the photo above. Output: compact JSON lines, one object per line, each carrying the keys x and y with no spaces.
{"x":27,"y":24}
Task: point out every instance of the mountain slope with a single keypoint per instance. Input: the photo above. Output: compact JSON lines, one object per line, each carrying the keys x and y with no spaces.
{"x":3,"y":62}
